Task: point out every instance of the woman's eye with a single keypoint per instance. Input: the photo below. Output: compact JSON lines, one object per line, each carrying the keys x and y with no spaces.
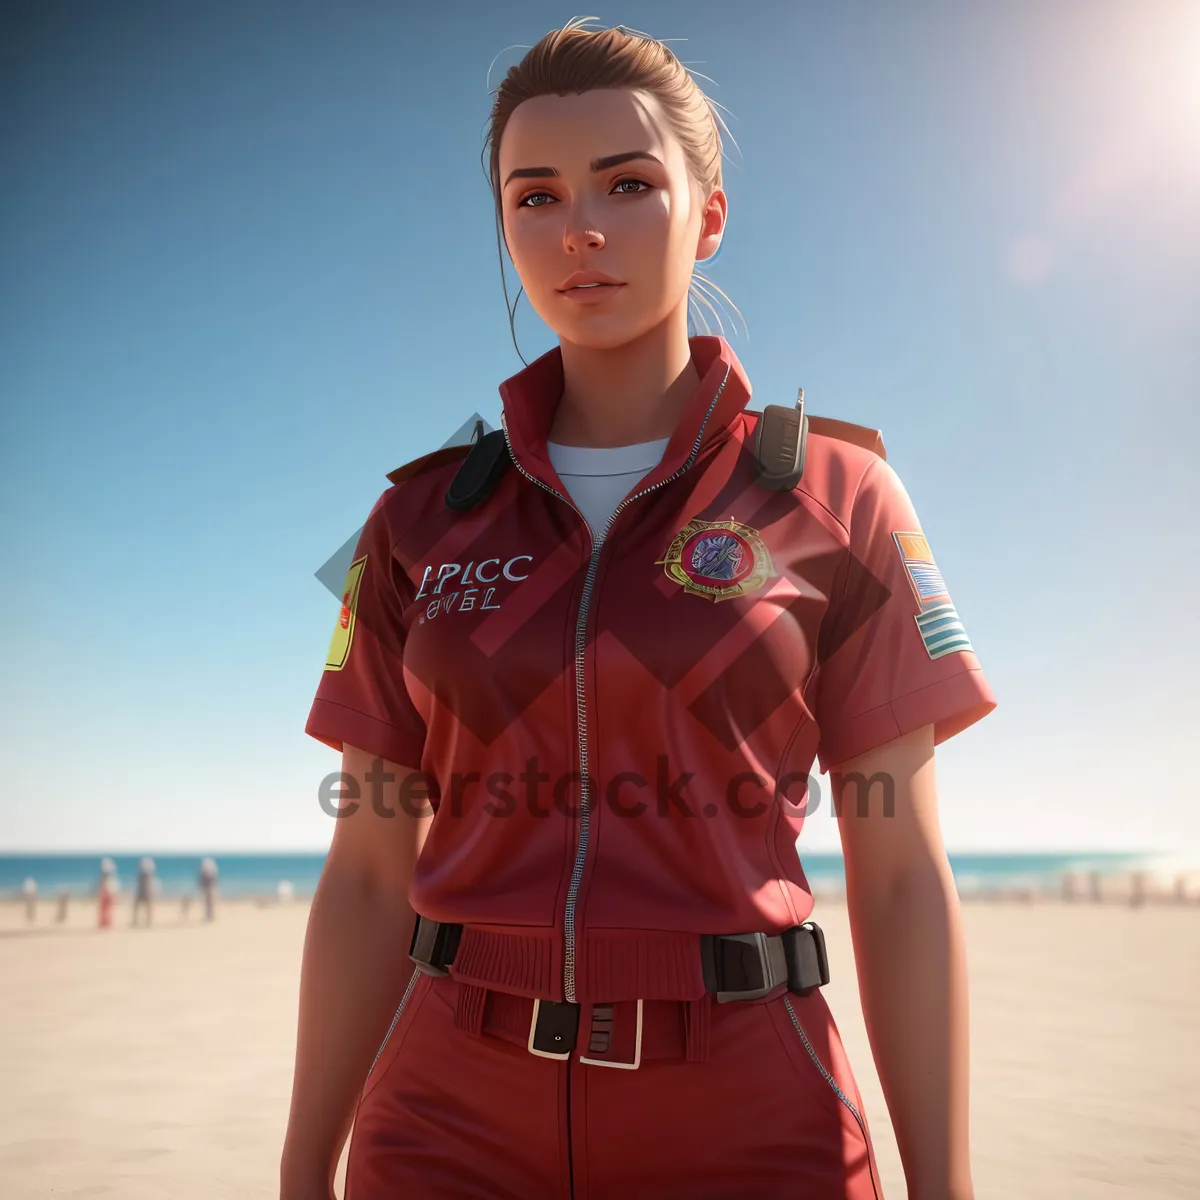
{"x":537,"y":199}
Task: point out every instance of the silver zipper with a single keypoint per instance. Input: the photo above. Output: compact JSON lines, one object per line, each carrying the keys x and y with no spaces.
{"x":412,"y":983}
{"x":833,"y":1083}
{"x":580,"y":690}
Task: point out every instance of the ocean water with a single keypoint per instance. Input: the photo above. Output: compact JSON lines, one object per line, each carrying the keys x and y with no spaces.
{"x":260,"y":874}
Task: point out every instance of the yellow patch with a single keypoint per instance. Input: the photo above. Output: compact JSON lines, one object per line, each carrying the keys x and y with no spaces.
{"x":343,"y":631}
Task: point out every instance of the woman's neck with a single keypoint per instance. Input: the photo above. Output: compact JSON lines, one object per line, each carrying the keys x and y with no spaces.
{"x":633,"y":393}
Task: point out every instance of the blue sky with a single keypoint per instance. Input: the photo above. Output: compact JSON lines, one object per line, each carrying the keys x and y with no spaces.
{"x":250,"y":267}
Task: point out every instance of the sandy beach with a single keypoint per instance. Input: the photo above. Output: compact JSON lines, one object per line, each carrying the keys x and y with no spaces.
{"x":157,"y":1063}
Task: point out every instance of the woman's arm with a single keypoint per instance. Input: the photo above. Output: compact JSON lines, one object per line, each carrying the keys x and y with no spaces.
{"x":911,"y":957}
{"x":354,"y":971}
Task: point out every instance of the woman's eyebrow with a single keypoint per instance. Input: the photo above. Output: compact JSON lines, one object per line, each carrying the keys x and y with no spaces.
{"x":597,"y":164}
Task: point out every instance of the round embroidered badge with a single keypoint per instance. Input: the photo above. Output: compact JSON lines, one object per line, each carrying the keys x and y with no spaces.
{"x":718,"y":559}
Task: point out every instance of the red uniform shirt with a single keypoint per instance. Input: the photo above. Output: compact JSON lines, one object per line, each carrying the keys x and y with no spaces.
{"x":608,"y":730}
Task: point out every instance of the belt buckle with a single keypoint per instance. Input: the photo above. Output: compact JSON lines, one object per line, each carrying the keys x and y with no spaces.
{"x":769,"y":960}
{"x":561,"y":1027}
{"x":637,"y":1050}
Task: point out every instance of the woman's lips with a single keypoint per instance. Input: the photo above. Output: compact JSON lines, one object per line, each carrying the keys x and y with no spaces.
{"x":592,"y":295}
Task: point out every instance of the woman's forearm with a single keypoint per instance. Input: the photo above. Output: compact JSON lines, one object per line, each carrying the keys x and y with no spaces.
{"x":354,"y":971}
{"x":912,"y":969}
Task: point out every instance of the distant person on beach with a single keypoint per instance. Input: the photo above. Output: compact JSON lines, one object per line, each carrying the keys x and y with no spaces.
{"x":207,"y":879}
{"x":143,"y":897}
{"x":106,"y":892}
{"x":29,"y":891}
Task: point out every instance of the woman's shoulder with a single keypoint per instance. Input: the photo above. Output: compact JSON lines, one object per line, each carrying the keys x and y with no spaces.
{"x":839,"y":457}
{"x":841,"y":434}
{"x":436,"y":461}
{"x":415,"y":491}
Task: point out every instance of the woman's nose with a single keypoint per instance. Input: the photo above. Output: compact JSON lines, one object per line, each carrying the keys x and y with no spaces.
{"x":579,"y":235}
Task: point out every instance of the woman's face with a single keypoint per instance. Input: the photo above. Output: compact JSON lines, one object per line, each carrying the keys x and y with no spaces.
{"x":566,"y":208}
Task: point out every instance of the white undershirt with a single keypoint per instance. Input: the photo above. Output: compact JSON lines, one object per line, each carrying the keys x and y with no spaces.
{"x":598,"y":479}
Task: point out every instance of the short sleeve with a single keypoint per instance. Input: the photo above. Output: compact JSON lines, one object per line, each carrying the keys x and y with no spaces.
{"x":894,"y":654}
{"x":362,"y":699}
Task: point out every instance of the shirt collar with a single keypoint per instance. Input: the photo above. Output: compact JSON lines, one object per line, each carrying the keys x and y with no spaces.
{"x":531,"y":396}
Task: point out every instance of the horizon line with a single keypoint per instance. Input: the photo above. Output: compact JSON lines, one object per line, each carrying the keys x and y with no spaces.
{"x":311,"y":850}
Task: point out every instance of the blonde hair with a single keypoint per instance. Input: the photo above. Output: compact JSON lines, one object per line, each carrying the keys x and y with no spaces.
{"x":573,"y":60}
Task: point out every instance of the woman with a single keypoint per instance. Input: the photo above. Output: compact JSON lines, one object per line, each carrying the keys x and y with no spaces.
{"x":578,"y":701}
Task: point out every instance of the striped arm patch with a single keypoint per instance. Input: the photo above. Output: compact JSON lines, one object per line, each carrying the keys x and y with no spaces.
{"x":942,"y":631}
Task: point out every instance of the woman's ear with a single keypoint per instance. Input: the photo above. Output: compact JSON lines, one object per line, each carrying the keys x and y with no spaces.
{"x":712,"y":225}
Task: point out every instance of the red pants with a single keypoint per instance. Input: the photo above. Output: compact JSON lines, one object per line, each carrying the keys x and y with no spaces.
{"x":771,"y":1112}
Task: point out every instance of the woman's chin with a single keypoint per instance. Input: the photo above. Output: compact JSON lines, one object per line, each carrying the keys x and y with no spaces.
{"x":602,"y":331}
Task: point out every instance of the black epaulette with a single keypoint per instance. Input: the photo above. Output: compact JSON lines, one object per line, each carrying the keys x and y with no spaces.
{"x":780,"y":440}
{"x":486,"y":461}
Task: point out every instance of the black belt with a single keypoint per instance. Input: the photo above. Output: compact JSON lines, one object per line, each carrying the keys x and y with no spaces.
{"x":737,"y":966}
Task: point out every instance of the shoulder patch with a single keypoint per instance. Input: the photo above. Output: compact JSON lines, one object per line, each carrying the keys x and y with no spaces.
{"x":428,"y":462}
{"x":343,"y":631}
{"x":844,"y":431}
{"x":938,"y":622}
